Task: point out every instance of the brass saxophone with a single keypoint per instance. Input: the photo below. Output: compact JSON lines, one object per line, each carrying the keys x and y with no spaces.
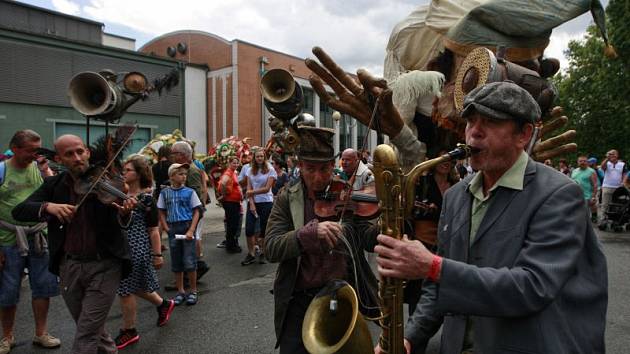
{"x":345,"y":331}
{"x":395,"y":192}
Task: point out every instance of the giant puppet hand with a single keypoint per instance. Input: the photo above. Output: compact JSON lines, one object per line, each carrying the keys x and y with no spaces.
{"x":556,"y":145}
{"x":352,"y":97}
{"x":356,"y":99}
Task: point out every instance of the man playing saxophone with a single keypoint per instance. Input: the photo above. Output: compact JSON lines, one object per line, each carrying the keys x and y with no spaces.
{"x":519,"y":267}
{"x":313,"y":252}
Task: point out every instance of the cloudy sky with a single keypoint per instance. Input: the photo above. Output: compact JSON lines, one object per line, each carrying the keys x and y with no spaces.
{"x":354,"y":32}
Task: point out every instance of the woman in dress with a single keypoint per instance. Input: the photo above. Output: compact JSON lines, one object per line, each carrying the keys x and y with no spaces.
{"x":260,"y":178}
{"x":145,"y":250}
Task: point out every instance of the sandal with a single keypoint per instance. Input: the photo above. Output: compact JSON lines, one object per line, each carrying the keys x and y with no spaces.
{"x":179,"y":299}
{"x":191,"y":298}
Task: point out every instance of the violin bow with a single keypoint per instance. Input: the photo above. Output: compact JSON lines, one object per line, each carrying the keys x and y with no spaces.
{"x":109,"y":164}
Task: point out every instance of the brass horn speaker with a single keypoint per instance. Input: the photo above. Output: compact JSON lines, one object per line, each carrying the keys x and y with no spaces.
{"x":482,"y":66}
{"x":92,"y":94}
{"x":345,"y":331}
{"x":283,"y":96}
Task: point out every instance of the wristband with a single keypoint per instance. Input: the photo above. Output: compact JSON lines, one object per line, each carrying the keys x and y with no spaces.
{"x":436,"y":268}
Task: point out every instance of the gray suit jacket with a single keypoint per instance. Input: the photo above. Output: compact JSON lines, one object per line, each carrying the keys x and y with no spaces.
{"x":533,"y":281}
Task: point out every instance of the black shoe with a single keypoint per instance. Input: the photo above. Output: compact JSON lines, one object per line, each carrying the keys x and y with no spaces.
{"x":202,"y":269}
{"x":222,"y":244}
{"x":261,"y":259}
{"x":236,"y":249}
{"x":164,"y":312}
{"x":248,"y":260}
{"x":126,"y":337}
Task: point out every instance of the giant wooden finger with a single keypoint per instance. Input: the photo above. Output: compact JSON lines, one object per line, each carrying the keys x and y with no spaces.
{"x":337,"y":71}
{"x":336,"y":104}
{"x":559,"y":151}
{"x":553,"y":125}
{"x":324,"y":75}
{"x":369,"y":81}
{"x":558,"y":140}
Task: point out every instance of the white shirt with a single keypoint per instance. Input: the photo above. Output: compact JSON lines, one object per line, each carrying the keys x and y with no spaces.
{"x":613,"y":175}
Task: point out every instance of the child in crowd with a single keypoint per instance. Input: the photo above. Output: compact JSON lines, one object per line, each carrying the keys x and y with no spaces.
{"x":179,"y":209}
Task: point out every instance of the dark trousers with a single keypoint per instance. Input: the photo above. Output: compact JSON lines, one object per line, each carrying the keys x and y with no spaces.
{"x":89,"y":289}
{"x":263,"y":210}
{"x":291,"y":338}
{"x":233,"y":219}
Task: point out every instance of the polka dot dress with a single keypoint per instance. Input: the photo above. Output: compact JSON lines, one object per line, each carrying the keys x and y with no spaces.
{"x":143,"y":277}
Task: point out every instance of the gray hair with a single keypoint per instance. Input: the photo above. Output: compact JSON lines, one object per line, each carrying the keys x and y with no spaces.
{"x":183,"y":147}
{"x":21,"y":137}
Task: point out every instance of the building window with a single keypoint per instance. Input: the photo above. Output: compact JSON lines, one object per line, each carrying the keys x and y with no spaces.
{"x":325,"y":116}
{"x":362,"y":131}
{"x":308,"y":100}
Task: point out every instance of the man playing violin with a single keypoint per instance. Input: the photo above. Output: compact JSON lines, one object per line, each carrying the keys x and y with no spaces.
{"x":88,"y":248}
{"x":312,"y":252}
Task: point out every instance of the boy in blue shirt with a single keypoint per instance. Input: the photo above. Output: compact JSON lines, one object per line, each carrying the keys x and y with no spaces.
{"x":179,"y":214}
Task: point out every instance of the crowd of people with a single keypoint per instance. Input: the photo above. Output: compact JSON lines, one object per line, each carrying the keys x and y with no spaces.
{"x":462,"y":271}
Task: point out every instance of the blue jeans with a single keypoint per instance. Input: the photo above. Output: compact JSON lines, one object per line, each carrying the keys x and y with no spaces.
{"x":183,"y":254}
{"x":43,"y":283}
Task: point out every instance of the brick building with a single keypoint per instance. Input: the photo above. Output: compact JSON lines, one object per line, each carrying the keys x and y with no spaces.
{"x":233,"y":103}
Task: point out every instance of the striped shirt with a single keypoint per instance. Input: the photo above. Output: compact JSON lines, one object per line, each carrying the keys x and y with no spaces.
{"x":179,"y":203}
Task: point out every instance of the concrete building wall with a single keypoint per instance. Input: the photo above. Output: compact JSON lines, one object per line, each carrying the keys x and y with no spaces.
{"x":111,"y":40}
{"x":195,"y":107}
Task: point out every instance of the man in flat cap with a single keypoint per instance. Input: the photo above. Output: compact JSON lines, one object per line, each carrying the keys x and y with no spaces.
{"x":519,"y":267}
{"x":309,"y":250}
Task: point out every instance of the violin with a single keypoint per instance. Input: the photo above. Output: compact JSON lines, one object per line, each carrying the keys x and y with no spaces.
{"x":107,"y":189}
{"x":339,"y":201}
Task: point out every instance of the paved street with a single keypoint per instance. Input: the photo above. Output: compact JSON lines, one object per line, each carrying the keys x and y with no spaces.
{"x":235,"y":309}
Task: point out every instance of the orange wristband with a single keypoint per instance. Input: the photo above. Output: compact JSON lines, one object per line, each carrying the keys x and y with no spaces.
{"x":436,"y":268}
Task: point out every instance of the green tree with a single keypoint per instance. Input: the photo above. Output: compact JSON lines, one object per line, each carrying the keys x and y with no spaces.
{"x":595,"y":89}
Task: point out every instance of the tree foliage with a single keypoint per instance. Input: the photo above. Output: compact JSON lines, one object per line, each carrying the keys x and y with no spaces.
{"x":595,"y":90}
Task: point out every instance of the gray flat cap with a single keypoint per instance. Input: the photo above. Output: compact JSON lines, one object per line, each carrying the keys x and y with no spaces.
{"x":502,"y":100}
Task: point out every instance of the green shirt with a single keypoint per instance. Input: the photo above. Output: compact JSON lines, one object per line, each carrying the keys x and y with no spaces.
{"x":583,"y":178}
{"x":18,"y":185}
{"x":512,"y":178}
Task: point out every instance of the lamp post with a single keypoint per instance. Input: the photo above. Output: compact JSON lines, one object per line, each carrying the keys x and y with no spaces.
{"x":336,"y":116}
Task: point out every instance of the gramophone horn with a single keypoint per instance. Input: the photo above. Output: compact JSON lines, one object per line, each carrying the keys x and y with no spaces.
{"x":91,"y":94}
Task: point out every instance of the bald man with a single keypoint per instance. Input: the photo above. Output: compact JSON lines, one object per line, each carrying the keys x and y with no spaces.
{"x":88,"y":248}
{"x":350,"y":161}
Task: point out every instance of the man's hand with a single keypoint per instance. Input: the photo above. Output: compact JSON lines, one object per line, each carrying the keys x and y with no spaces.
{"x":407,"y":344}
{"x":354,"y":98}
{"x":63,"y":212}
{"x":127,"y":206}
{"x":328,"y":233}
{"x":189,"y":235}
{"x":402,"y":259}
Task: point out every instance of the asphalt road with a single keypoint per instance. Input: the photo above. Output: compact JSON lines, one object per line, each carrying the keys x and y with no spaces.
{"x":235,"y":309}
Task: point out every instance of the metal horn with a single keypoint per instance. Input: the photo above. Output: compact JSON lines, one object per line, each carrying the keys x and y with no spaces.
{"x":283,"y":96}
{"x":93,"y":94}
{"x":343,"y":330}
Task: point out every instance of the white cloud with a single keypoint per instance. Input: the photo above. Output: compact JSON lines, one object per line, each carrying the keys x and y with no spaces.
{"x":558,"y":44}
{"x":354,"y":32}
{"x":67,"y":7}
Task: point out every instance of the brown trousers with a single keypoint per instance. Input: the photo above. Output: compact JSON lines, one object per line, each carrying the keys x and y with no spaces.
{"x":89,"y":290}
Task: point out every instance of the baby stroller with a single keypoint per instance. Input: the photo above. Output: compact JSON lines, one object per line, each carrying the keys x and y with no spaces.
{"x":618,"y":211}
